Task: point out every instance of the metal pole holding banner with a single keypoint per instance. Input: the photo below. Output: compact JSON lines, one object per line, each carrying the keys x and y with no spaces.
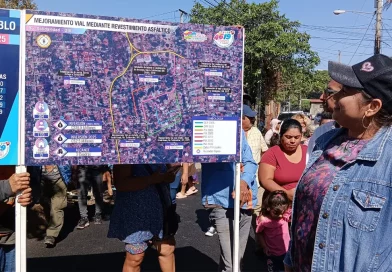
{"x":237,"y":184}
{"x":20,"y":231}
{"x":236,"y":250}
{"x":20,"y":212}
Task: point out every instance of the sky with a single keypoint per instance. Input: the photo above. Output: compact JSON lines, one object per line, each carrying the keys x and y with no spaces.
{"x":352,"y":33}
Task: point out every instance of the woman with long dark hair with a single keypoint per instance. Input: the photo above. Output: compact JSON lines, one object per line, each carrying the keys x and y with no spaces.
{"x":282,"y":165}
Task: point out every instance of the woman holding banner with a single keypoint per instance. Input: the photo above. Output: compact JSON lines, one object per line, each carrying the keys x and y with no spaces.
{"x":143,"y":214}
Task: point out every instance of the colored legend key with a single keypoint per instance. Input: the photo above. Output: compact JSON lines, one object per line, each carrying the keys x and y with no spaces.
{"x":214,"y":136}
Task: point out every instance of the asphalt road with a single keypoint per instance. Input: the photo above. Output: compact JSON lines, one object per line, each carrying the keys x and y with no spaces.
{"x":90,"y":250}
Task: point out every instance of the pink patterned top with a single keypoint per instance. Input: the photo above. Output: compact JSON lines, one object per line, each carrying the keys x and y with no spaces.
{"x":310,"y":195}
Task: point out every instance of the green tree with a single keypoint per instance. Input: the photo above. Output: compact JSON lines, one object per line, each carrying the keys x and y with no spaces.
{"x":18,"y":4}
{"x":303,"y":85}
{"x":276,"y":52}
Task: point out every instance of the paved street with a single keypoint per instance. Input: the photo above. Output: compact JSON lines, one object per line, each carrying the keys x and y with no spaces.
{"x":90,"y":250}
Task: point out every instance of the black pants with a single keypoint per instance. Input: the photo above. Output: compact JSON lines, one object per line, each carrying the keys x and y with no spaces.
{"x":275,"y":263}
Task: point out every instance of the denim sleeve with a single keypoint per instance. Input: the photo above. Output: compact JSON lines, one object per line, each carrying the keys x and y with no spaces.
{"x":66,"y":173}
{"x":250,"y":166}
{"x":287,"y":259}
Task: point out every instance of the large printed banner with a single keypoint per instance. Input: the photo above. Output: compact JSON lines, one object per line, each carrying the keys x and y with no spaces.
{"x":102,"y":90}
{"x":9,"y":86}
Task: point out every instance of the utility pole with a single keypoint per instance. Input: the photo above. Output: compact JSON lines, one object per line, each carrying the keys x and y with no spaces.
{"x":182,"y":15}
{"x":339,"y":55}
{"x":377,"y":42}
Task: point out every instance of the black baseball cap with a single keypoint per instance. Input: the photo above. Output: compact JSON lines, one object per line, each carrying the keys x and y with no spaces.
{"x":373,"y":76}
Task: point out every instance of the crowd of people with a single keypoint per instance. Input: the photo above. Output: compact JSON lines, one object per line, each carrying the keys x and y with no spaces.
{"x":318,"y":198}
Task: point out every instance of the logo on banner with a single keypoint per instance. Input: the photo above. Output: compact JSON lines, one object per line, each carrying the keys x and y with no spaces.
{"x":41,"y":149}
{"x":44,"y":41}
{"x":192,"y":36}
{"x":224,"y":39}
{"x":4,"y":149}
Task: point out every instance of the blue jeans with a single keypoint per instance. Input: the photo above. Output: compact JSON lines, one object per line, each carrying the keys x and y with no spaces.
{"x":90,"y":176}
{"x":7,"y":258}
{"x":224,"y":224}
{"x":174,"y":187}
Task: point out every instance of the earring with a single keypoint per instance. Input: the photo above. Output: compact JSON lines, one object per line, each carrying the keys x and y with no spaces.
{"x":363,"y":124}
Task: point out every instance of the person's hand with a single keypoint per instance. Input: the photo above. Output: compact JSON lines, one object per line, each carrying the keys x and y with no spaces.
{"x":266,"y":251}
{"x":241,"y":167}
{"x":24,"y":199}
{"x":19,"y":182}
{"x":245,"y":194}
{"x":290,"y":194}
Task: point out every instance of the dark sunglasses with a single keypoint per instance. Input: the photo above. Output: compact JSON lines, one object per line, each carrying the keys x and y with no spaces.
{"x":330,"y":91}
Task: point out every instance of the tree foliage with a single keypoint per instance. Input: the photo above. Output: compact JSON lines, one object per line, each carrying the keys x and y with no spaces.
{"x":278,"y":57}
{"x":18,"y":4}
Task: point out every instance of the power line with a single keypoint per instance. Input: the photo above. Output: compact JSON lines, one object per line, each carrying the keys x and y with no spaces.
{"x":361,"y":40}
{"x":157,"y":15}
{"x":355,"y":22}
{"x":229,"y":10}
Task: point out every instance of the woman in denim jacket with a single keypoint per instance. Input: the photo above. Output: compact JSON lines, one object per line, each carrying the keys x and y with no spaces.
{"x":343,"y":203}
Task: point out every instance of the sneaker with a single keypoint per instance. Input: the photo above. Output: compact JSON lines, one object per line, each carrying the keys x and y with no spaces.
{"x":50,"y":241}
{"x":97,"y":219}
{"x":211,"y":232}
{"x":83,"y":223}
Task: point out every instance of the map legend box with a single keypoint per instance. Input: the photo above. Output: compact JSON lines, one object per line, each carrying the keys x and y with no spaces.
{"x":214,"y":136}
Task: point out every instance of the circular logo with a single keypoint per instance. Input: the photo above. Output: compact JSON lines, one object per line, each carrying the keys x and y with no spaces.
{"x":41,"y":143}
{"x":224,"y":39}
{"x":44,"y":41}
{"x":41,"y":106}
{"x":41,"y":125}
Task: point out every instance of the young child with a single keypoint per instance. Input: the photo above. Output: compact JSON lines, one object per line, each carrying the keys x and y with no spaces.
{"x":273,"y":230}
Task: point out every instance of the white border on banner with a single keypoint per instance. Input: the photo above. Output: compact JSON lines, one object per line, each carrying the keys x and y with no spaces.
{"x":20,"y":212}
{"x":237,"y":178}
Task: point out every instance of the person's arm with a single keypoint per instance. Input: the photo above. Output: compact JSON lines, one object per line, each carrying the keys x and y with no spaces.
{"x":250,"y":166}
{"x":266,"y":177}
{"x":263,"y":244}
{"x":5,"y":190}
{"x":125,"y":182}
{"x":108,"y":178}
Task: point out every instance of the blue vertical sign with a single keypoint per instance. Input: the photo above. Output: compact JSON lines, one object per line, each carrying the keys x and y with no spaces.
{"x":9,"y":86}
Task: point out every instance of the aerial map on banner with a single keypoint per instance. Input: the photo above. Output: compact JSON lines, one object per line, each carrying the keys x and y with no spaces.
{"x":103,"y":90}
{"x":9,"y":86}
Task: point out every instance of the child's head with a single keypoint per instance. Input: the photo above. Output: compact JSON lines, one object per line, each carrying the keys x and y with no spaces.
{"x":275,"y":204}
{"x":275,"y":139}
